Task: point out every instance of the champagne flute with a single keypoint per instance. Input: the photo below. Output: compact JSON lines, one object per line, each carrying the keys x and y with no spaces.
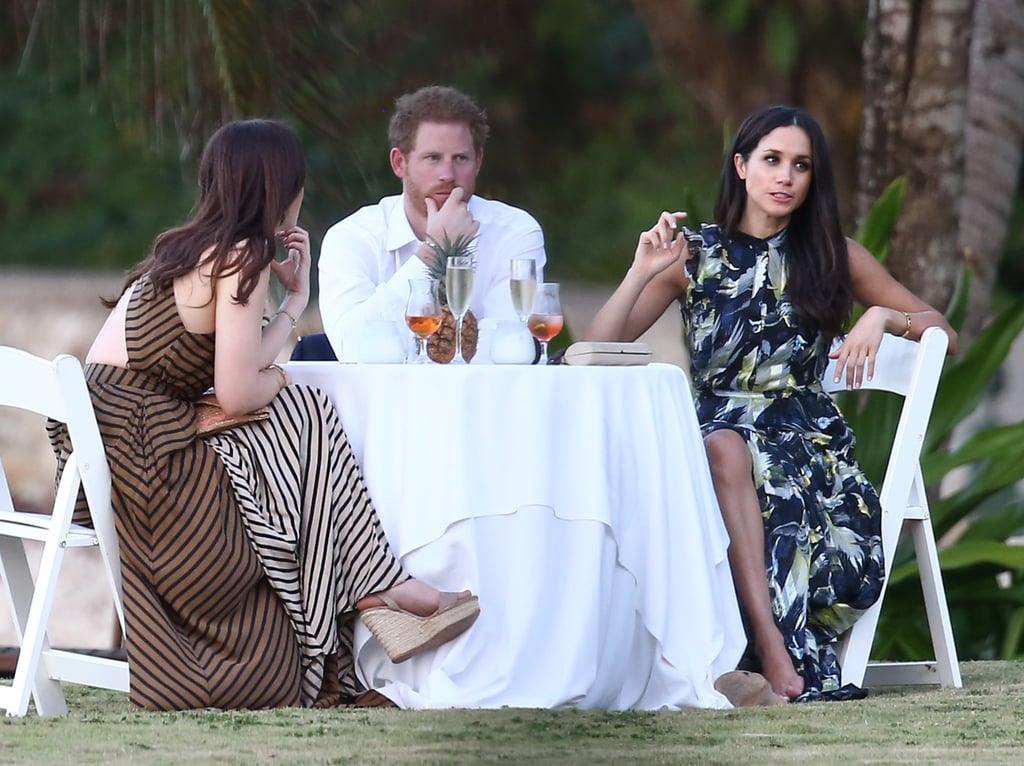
{"x":545,"y":321}
{"x":523,"y":285}
{"x":458,"y":284}
{"x":423,"y":313}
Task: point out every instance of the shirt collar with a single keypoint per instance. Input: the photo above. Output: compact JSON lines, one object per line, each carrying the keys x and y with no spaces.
{"x":399,"y":230}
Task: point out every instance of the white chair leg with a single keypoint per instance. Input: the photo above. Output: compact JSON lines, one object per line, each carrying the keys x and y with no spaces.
{"x":856,"y":645}
{"x":19,"y":585}
{"x":29,"y":601}
{"x":939,"y":624}
{"x":945,"y":669}
{"x":856,"y":649}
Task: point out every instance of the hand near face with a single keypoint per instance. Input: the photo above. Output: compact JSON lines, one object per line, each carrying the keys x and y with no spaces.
{"x":660,"y":246}
{"x":452,"y":219}
{"x":293,"y":271}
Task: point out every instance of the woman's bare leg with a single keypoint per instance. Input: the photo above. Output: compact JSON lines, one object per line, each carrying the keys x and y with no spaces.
{"x":731,"y":472}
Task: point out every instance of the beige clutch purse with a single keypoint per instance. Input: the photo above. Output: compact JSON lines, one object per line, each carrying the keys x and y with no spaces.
{"x":608,"y":354}
{"x":211,"y":418}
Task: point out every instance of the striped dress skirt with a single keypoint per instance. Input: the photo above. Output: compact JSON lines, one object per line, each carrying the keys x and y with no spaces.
{"x":243,"y":553}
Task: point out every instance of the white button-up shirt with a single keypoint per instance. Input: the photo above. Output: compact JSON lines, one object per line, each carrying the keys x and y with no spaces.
{"x":368,"y":258}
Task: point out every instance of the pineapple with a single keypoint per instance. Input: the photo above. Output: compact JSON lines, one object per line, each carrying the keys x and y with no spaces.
{"x":441,"y":346}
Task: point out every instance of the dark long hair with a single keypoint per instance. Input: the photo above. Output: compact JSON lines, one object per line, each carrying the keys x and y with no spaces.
{"x":251,"y":171}
{"x":819,"y":267}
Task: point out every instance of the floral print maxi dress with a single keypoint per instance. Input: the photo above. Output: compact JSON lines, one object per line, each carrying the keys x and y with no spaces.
{"x":756,"y":371}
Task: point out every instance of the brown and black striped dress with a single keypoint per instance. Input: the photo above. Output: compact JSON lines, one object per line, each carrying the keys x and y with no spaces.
{"x":242,"y":553}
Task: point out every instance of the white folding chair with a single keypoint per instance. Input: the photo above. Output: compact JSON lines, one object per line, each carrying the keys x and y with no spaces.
{"x":910,"y":369}
{"x":57,"y":390}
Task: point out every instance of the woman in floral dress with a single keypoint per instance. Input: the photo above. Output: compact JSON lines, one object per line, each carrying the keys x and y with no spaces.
{"x":764,"y":291}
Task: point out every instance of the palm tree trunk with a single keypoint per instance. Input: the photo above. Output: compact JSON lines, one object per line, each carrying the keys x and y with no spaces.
{"x":916,"y":69}
{"x":993,"y":140}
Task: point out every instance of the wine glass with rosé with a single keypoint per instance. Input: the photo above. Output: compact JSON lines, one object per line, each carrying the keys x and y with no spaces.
{"x":545,"y":321}
{"x":423,"y":313}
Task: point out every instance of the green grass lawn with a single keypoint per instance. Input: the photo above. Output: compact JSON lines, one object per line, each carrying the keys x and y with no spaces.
{"x":983,"y":723}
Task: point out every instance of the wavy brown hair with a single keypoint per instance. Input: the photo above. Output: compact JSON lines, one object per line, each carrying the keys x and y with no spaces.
{"x":435,"y":103}
{"x":818,"y":259}
{"x":251,"y":172}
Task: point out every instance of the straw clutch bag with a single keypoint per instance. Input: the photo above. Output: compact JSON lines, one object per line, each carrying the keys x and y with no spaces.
{"x":211,"y":418}
{"x":608,"y":354}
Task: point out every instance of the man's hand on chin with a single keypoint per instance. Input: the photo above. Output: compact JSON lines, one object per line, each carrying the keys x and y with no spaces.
{"x":452,"y":219}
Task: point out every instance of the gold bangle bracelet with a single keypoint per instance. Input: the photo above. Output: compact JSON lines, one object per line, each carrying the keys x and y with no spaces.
{"x":906,"y":332}
{"x":281,"y":374}
{"x":290,"y":317}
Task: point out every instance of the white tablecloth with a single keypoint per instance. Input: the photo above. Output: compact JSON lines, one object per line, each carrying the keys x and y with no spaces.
{"x":576,"y":502}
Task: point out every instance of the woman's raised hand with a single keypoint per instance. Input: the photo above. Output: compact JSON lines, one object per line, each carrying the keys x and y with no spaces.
{"x":293,"y":271}
{"x":643,"y":295}
{"x":660,"y":246}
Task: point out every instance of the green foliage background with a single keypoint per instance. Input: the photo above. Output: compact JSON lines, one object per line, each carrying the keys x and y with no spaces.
{"x":75,"y":191}
{"x":586,"y":132}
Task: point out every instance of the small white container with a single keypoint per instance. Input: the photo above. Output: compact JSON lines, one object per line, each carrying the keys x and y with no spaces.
{"x":511,"y":343}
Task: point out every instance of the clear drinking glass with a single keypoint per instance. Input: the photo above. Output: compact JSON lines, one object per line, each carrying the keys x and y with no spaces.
{"x":523,"y":284}
{"x":423,"y":313}
{"x":458,"y":284}
{"x":545,"y":321}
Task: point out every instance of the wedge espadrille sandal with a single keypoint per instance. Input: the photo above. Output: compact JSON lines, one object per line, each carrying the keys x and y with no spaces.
{"x":403,"y":634}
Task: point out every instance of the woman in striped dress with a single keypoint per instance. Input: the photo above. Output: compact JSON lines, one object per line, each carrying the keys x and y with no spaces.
{"x":246,"y":553}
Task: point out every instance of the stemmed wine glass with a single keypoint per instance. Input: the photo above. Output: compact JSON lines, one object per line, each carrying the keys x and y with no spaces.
{"x":423,"y":313}
{"x":523,"y":285}
{"x":458,"y":285}
{"x":545,"y":321}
